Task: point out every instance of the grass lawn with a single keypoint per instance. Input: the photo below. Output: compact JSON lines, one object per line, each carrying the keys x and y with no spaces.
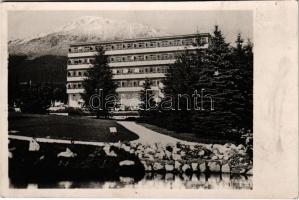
{"x":191,"y":137}
{"x":67,"y":127}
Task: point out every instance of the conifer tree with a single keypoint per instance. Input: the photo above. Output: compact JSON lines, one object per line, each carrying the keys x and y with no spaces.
{"x":99,"y":81}
{"x":216,"y":77}
{"x":147,"y":102}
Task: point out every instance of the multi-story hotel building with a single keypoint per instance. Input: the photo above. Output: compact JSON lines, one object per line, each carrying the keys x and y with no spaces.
{"x":131,"y":62}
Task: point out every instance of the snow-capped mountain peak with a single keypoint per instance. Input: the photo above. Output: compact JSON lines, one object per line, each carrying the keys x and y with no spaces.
{"x":83,"y":29}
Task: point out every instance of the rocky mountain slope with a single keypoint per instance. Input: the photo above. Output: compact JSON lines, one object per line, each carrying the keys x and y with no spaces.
{"x":83,"y":29}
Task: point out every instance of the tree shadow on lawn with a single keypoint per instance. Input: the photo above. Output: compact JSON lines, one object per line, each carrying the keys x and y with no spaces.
{"x":69,"y":127}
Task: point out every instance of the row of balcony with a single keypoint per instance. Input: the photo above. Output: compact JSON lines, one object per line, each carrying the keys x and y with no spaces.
{"x":138,"y":51}
{"x":118,"y":90}
{"x":125,"y":64}
{"x":121,"y":76}
{"x":141,"y":44}
{"x":124,"y":71}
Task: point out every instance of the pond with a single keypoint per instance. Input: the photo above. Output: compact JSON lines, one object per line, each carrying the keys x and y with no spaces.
{"x":149,"y":181}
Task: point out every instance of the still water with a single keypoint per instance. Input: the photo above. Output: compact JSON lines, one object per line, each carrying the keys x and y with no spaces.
{"x":152,"y":180}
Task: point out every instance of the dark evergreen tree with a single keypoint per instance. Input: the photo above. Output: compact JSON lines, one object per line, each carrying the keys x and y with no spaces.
{"x":216,"y":78}
{"x":36,"y":99}
{"x":147,"y":101}
{"x":243,"y":61}
{"x":99,"y":82}
{"x":179,"y":87}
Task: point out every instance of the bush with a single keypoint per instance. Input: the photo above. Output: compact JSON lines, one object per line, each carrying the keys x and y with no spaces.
{"x":76,"y":111}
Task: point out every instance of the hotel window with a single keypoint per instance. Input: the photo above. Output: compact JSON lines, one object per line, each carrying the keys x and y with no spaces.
{"x":140,"y":58}
{"x":85,"y":74}
{"x":140,"y":45}
{"x":134,"y":45}
{"x":136,"y":70}
{"x":141,"y":70}
{"x":80,"y":49}
{"x":129,"y":46}
{"x":164,"y":43}
{"x":141,"y":83}
{"x":91,"y":61}
{"x":79,"y":85}
{"x":158,"y":69}
{"x":69,"y":74}
{"x":69,"y":86}
{"x":158,"y":44}
{"x":124,"y":46}
{"x":118,"y":59}
{"x":135,"y":83}
{"x":79,"y":73}
{"x":164,"y":56}
{"x":74,"y":86}
{"x":152,"y":44}
{"x":70,"y":50}
{"x":130,"y":71}
{"x":69,"y":62}
{"x":123,"y":84}
{"x":177,"y":43}
{"x":125,"y":71}
{"x":111,"y":59}
{"x":75,"y":49}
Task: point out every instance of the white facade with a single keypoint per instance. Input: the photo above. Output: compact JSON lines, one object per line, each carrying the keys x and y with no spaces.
{"x":131,"y":61}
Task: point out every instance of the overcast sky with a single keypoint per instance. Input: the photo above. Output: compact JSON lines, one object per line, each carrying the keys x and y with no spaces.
{"x":26,"y":23}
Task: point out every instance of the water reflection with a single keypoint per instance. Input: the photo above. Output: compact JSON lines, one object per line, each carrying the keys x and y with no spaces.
{"x":153,"y":180}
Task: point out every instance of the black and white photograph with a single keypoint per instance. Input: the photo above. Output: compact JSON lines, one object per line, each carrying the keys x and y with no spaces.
{"x":131,"y":99}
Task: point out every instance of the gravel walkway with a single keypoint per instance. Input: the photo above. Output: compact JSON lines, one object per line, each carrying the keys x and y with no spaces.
{"x":147,"y":136}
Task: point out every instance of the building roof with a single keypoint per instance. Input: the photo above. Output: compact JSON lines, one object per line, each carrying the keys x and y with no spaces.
{"x":138,"y":39}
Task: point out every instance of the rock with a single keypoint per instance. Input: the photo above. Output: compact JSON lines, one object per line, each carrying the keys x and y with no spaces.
{"x":214,"y":167}
{"x":151,"y":157}
{"x":125,"y":147}
{"x":168,"y":154}
{"x":214,"y":157}
{"x":112,"y":154}
{"x":186,"y":167}
{"x":182,"y":153}
{"x":194,"y":167}
{"x":149,"y":168}
{"x":225,"y":168}
{"x":201,"y":153}
{"x":157,"y":166}
{"x":126,"y":163}
{"x":240,"y":147}
{"x":126,"y":179}
{"x":177,"y":165}
{"x":202,"y":167}
{"x":176,"y":157}
{"x":249,"y":172}
{"x":169,"y":167}
{"x":67,"y":154}
{"x":132,"y":151}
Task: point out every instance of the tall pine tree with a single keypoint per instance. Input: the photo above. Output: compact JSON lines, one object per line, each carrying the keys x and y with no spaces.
{"x":99,"y":81}
{"x":147,"y":102}
{"x":216,"y":78}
